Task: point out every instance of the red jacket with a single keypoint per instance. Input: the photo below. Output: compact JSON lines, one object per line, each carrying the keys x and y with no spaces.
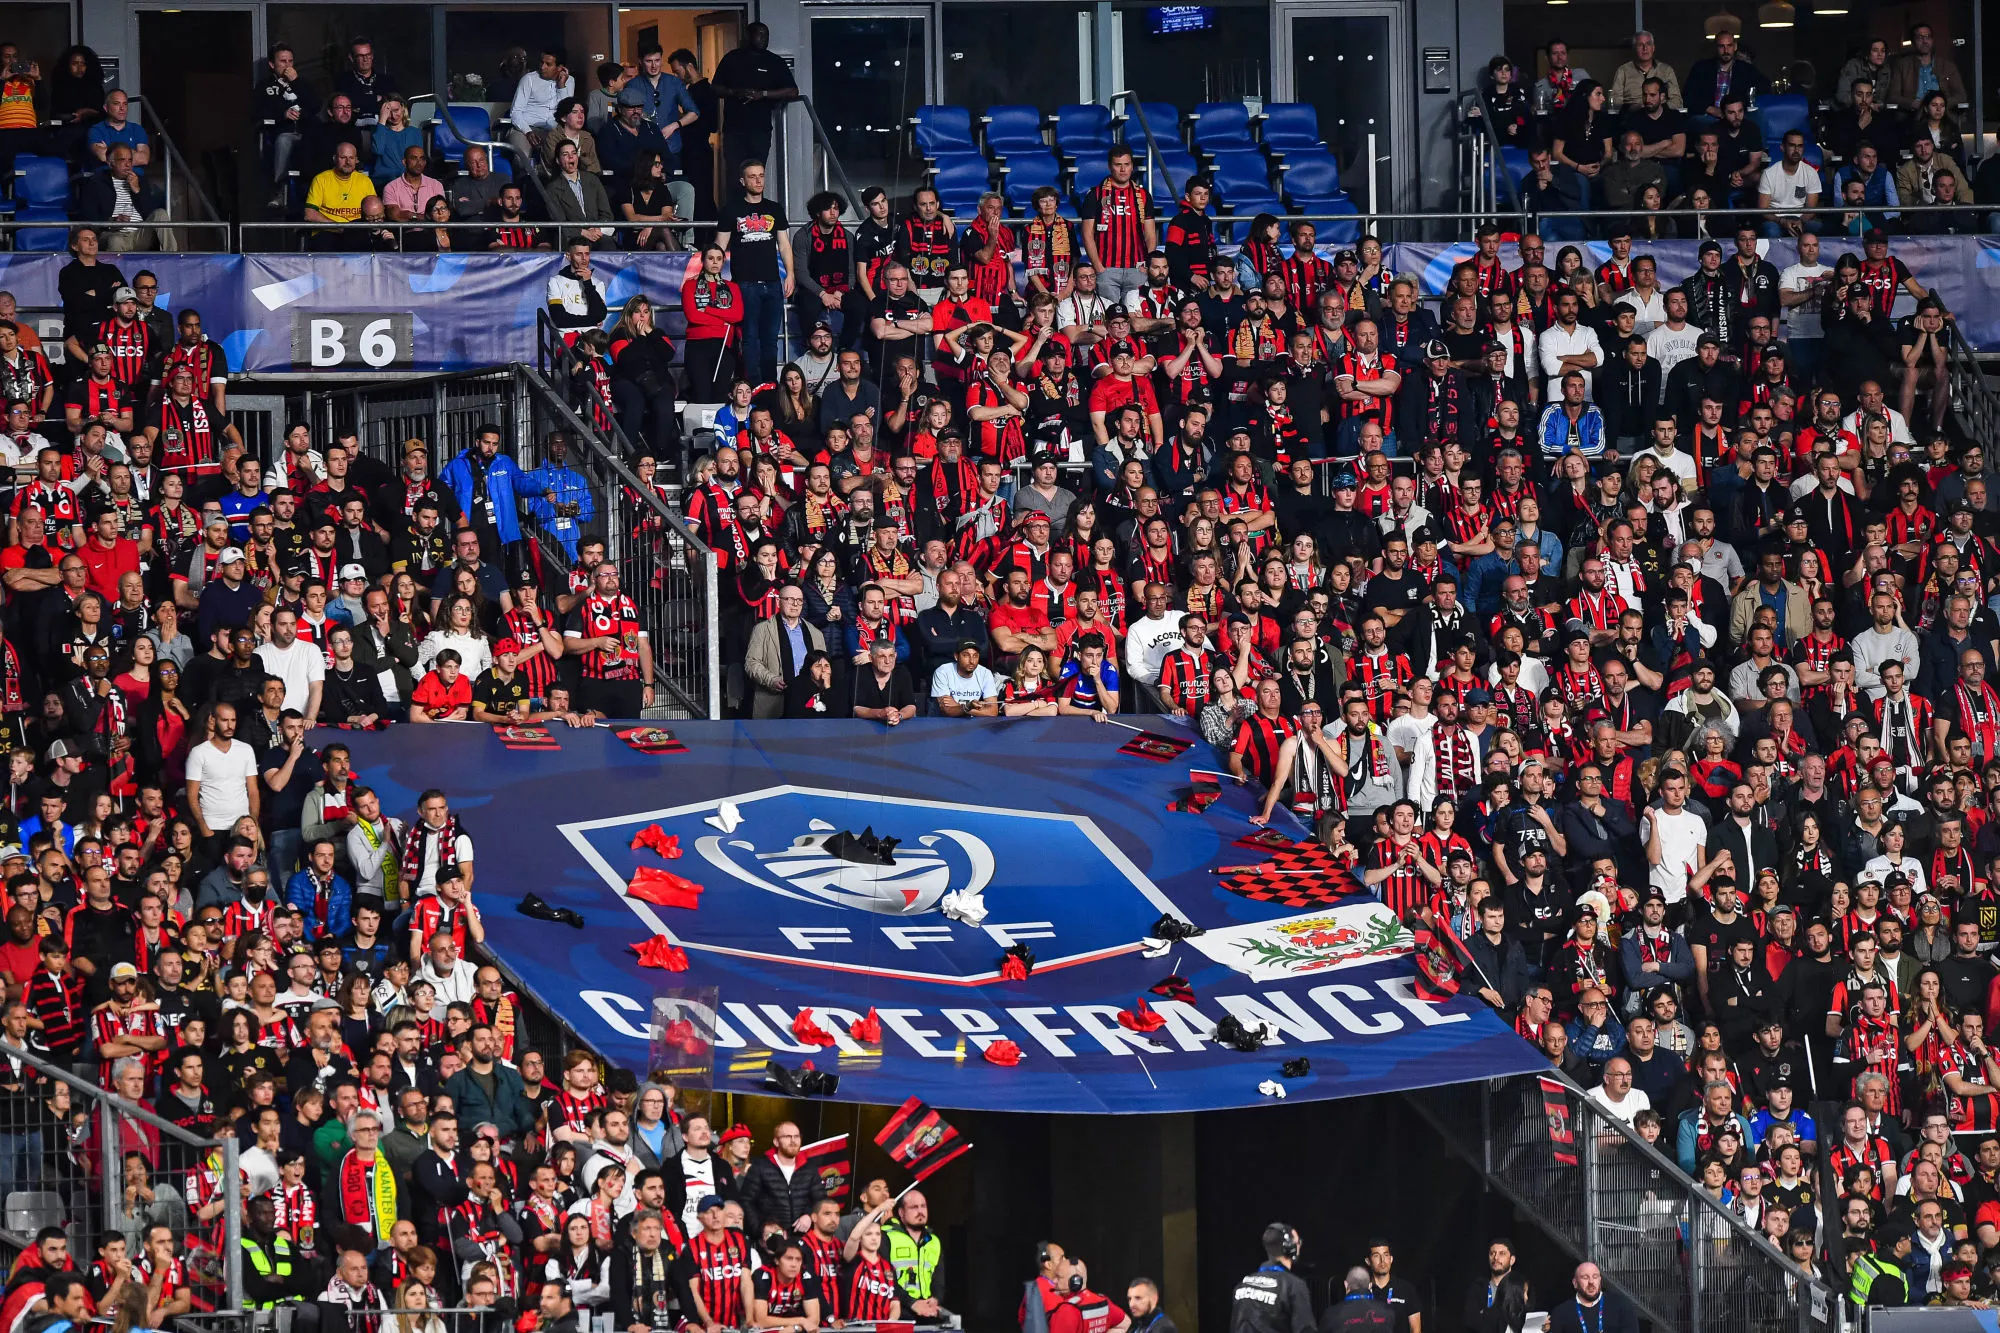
{"x":715,"y":318}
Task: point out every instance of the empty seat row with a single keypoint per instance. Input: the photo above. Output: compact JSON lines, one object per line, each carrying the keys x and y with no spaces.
{"x":41,"y":194}
{"x":1083,"y":131}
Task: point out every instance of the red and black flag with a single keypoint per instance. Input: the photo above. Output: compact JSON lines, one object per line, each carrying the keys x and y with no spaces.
{"x":651,"y":740}
{"x":1442,"y":958}
{"x":1555,"y":1107}
{"x":1152,"y":745}
{"x":1266,"y":839}
{"x":919,"y":1138}
{"x":1204,"y":788}
{"x":526,"y":737}
{"x":1301,"y":877}
{"x":833,"y":1162}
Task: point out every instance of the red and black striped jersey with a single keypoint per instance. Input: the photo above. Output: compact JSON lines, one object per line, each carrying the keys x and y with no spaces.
{"x":1405,"y":888}
{"x":870,"y":1291}
{"x":784,"y":1295}
{"x":57,"y":1000}
{"x":1258,"y":740}
{"x":130,"y":345}
{"x":1115,"y":212}
{"x":575,"y":1109}
{"x":719,"y":1265}
{"x":823,"y":1264}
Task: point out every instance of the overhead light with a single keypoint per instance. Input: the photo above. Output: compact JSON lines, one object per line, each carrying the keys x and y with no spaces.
{"x":1776,"y":14}
{"x":1830,"y":7}
{"x":1717,"y":24}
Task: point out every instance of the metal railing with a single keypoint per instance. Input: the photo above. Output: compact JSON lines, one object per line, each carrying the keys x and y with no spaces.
{"x":186,"y":199}
{"x":668,"y":571}
{"x":670,"y":576}
{"x":1973,"y":398}
{"x":1136,"y":109}
{"x":77,"y":1156}
{"x":1610,"y":1197}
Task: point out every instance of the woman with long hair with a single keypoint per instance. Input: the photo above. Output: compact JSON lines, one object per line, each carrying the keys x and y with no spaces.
{"x":794,"y":408}
{"x":1031,"y":691}
{"x":713,"y":306}
{"x":648,"y":201}
{"x":1583,"y":141}
{"x":436,"y":238}
{"x":642,"y":385}
{"x":1260,"y":255}
{"x":457,"y":627}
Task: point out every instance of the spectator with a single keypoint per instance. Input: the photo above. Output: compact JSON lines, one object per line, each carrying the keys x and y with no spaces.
{"x":1628,"y":84}
{"x":578,"y":197}
{"x":536,"y":98}
{"x":391,"y":142}
{"x":1921,"y":70}
{"x":408,"y":197}
{"x":285,"y":107}
{"x":753,"y":80}
{"x":1711,"y":82}
{"x":116,"y":127}
{"x":118,"y":197}
{"x":363,"y":83}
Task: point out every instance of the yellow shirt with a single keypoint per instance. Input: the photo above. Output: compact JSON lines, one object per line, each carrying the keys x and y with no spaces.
{"x":339,"y":200}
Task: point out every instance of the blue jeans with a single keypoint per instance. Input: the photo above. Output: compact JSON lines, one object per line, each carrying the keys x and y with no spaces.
{"x":763,"y":321}
{"x":20,"y":1162}
{"x":283,"y":847}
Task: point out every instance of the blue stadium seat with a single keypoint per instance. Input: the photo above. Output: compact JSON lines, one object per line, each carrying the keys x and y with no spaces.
{"x":41,"y":182}
{"x":1290,"y":127}
{"x":49,"y":239}
{"x":1336,"y":233}
{"x":1082,"y":129}
{"x":1014,"y":129}
{"x":1516,"y":161}
{"x":1165,"y":184}
{"x":960,"y":178}
{"x":1239,"y":170}
{"x":1782,"y":113}
{"x":943,"y":129}
{"x":1312,"y":175}
{"x":1221,"y":127}
{"x":1163,"y":118}
{"x":1028,"y":172}
{"x":476,"y":122}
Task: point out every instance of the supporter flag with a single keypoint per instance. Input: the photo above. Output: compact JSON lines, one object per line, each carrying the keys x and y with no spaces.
{"x":1442,"y":959}
{"x":1152,"y":745}
{"x":1302,"y":876}
{"x":651,"y":740}
{"x":1203,"y":790}
{"x":919,"y":1138}
{"x":833,"y":1161}
{"x":526,"y":738}
{"x":1555,"y":1107}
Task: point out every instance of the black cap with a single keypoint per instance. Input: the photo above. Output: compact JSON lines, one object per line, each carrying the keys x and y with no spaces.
{"x":1436,"y":350}
{"x":1346,"y":257}
{"x":1710,"y":247}
{"x":1874,"y":236}
{"x":1708,"y":340}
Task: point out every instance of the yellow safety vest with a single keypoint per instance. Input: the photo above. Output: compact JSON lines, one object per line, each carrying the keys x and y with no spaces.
{"x":275,"y":1266}
{"x":915,"y":1263}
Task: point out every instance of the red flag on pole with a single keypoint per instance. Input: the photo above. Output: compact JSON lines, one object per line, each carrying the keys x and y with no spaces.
{"x":921,"y":1139}
{"x":1555,"y":1106}
{"x":833,"y":1162}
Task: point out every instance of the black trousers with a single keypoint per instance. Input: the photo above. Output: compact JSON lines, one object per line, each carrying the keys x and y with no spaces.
{"x":613,"y":698}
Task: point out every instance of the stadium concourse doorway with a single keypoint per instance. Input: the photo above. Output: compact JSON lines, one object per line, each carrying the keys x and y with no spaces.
{"x":1182,"y":1199}
{"x":194,"y":70}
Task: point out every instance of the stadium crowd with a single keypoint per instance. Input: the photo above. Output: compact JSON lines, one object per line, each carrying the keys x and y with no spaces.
{"x":1641,"y":635}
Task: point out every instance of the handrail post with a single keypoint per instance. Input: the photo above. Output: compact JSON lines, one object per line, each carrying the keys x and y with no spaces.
{"x":1586,"y":1123}
{"x":110,"y":1162}
{"x":712,"y":634}
{"x":232,"y":1226}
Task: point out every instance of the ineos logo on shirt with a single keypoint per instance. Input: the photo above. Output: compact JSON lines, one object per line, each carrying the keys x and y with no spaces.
{"x":359,"y":340}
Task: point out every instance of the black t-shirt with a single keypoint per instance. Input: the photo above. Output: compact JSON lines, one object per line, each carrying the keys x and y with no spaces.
{"x":897,"y":694}
{"x":1719,"y":937}
{"x":1397,"y":593}
{"x":748,"y":67}
{"x":500,"y":696}
{"x":1670,"y":123}
{"x":753,"y":230}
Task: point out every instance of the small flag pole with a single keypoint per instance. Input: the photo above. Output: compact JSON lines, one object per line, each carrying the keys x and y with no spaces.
{"x":1149,"y":1073}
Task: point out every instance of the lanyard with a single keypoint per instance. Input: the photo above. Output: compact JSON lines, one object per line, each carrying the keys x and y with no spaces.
{"x":1600,"y":1315}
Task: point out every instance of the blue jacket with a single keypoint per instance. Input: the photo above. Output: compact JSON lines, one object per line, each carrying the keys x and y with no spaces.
{"x":502,"y":488}
{"x":1685,"y":1149}
{"x":1553,"y":432}
{"x":339,"y":902}
{"x":507,"y":1109}
{"x":1597,"y":1045}
{"x":668,"y":100}
{"x":569,"y":487}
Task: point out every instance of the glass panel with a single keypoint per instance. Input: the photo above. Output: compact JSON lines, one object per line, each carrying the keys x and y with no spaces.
{"x":486,"y":51}
{"x":868,"y":80}
{"x":1217,"y":64}
{"x":1340,"y":65}
{"x":1012,"y":53}
{"x":319,"y":36}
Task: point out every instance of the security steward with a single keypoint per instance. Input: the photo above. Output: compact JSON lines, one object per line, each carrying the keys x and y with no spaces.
{"x":1273,"y":1299}
{"x":1046,"y":1290}
{"x":1361,"y":1308}
{"x":915,"y":1252}
{"x":274,"y":1273}
{"x":1083,"y":1310}
{"x":1881,"y":1278}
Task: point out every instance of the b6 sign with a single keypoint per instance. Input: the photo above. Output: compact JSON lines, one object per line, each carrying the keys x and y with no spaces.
{"x":370,"y":340}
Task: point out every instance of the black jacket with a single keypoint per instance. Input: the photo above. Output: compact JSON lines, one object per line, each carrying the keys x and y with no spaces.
{"x":675,"y":1177}
{"x":437,"y":1186}
{"x":1275,"y":1300}
{"x":1628,"y":398}
{"x":1503,"y":1311}
{"x":769,"y":1197}
{"x":1360,"y":1314}
{"x":95,"y":198}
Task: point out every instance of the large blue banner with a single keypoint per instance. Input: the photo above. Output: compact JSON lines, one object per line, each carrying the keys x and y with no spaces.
{"x":1035,"y":833}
